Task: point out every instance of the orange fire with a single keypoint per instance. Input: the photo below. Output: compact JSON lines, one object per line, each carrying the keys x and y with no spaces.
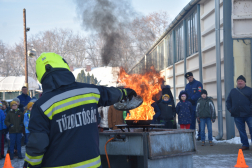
{"x":147,"y":86}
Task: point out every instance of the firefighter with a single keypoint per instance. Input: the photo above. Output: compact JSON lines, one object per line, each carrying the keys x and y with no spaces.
{"x":63,"y":128}
{"x":193,"y":90}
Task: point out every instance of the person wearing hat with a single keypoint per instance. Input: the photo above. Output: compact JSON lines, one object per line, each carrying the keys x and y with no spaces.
{"x":184,"y":111}
{"x":239,"y":104}
{"x":166,"y":89}
{"x":63,"y":122}
{"x":206,"y":114}
{"x":27,"y":119}
{"x":167,"y":111}
{"x":20,"y":106}
{"x":193,"y":90}
{"x":14,"y":121}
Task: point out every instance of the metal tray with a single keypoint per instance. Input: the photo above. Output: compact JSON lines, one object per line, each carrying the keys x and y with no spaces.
{"x":138,"y":122}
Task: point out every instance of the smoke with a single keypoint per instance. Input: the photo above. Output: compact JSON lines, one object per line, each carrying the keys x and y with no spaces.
{"x":106,"y":18}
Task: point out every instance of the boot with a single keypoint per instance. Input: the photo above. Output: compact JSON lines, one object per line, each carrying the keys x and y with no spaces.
{"x":11,"y":156}
{"x":244,"y":148}
{"x":2,"y":156}
{"x":211,"y":143}
{"x":199,"y":138}
{"x":15,"y":152}
{"x":203,"y":143}
{"x":20,"y":156}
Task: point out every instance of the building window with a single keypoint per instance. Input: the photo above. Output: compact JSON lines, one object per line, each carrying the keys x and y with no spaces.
{"x":161,"y":56}
{"x":148,"y":61}
{"x":179,"y":42}
{"x":169,"y":49}
{"x":142,"y":66}
{"x":192,"y":42}
{"x":155,"y":58}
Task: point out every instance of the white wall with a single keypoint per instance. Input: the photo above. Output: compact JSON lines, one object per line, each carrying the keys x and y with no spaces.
{"x":241,"y":18}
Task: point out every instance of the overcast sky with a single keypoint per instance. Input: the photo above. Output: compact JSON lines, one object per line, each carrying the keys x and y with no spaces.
{"x":42,"y":15}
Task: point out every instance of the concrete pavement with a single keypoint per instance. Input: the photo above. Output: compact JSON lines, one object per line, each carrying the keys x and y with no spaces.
{"x":221,"y":155}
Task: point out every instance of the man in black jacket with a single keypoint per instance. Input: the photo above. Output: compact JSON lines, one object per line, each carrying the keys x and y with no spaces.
{"x":239,"y":104}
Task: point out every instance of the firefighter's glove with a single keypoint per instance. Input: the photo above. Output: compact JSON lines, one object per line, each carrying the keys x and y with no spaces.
{"x":128,"y":93}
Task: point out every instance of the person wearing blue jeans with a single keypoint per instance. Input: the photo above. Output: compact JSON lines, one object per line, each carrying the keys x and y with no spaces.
{"x":240,"y":124}
{"x":14,"y":120}
{"x":203,"y":123}
{"x":15,"y":138}
{"x":205,"y":112}
{"x":239,"y":104}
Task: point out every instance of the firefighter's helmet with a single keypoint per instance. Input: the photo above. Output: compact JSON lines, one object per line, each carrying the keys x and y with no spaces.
{"x":49,"y":62}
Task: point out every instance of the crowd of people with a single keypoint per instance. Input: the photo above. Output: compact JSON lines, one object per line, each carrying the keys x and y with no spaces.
{"x":14,"y":121}
{"x":194,"y":104}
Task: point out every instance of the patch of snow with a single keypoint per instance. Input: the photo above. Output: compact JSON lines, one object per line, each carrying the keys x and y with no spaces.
{"x":235,"y":140}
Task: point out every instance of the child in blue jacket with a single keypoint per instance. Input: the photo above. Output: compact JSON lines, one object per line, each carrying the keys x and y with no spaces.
{"x":184,"y":110}
{"x":2,"y":118}
{"x":26,"y":120}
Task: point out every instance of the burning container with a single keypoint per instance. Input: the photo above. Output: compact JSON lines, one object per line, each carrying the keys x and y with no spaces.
{"x":156,"y":148}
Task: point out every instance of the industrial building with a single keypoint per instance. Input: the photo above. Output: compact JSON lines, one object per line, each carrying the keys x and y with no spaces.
{"x":212,"y":39}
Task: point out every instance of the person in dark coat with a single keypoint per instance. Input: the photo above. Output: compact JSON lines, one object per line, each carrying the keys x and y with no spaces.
{"x":239,"y":104}
{"x":168,"y":111}
{"x":166,"y":89}
{"x":14,"y":120}
{"x":193,"y":90}
{"x":24,"y":97}
{"x":184,"y":110}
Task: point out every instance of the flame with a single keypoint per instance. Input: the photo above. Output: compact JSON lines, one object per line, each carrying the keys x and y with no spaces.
{"x":147,"y":86}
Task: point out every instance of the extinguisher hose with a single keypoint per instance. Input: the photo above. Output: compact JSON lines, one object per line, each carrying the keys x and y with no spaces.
{"x":106,"y":151}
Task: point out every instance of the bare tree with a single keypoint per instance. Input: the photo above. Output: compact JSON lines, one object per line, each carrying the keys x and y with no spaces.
{"x":135,"y":40}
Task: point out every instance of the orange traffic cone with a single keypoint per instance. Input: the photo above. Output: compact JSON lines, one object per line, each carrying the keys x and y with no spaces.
{"x":240,"y":160}
{"x":7,"y":163}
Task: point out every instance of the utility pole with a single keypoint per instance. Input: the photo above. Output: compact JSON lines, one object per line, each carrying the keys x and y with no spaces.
{"x":25,"y":50}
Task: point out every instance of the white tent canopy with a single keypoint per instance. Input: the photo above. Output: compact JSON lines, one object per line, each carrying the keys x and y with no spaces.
{"x":15,"y":83}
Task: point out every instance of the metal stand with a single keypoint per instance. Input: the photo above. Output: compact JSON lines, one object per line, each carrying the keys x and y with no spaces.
{"x":145,"y":127}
